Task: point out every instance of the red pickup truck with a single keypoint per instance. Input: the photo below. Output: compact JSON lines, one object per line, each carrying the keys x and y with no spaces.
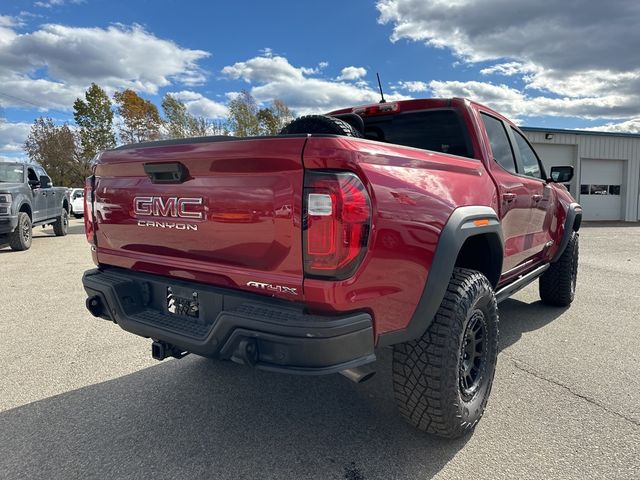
{"x":397,"y":225}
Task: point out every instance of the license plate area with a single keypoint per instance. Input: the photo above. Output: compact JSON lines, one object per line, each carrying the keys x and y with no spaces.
{"x":182,"y":302}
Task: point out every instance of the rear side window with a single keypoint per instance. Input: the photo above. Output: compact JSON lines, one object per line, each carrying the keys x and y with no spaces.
{"x":500,"y":146}
{"x":530,"y":161}
{"x":437,"y":130}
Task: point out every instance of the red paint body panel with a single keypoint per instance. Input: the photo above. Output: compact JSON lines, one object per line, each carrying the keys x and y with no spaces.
{"x":413,"y":193}
{"x":251,"y":229}
{"x":251,"y":194}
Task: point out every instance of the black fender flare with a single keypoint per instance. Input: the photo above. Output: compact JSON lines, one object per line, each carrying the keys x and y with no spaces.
{"x":571,"y":224}
{"x":22,"y":200}
{"x":459,"y":227}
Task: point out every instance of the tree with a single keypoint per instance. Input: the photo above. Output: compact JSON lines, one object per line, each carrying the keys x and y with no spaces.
{"x":242,"y":119}
{"x":177,"y":117}
{"x":246,"y":120}
{"x":95,"y":119}
{"x":179,"y":123}
{"x":56,"y":149}
{"x":283,"y":114}
{"x":140,"y":118}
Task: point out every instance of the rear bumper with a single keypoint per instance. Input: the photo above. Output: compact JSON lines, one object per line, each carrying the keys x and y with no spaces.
{"x":287,"y":339}
{"x":8,"y":224}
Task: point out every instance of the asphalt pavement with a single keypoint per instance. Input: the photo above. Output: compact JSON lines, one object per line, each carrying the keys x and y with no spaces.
{"x":80,"y":398}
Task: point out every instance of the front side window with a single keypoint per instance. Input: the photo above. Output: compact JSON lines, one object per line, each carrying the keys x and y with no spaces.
{"x":530,"y":161}
{"x":11,"y":173}
{"x":500,"y":146}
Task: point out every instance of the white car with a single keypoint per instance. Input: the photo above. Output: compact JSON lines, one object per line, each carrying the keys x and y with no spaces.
{"x":77,"y":202}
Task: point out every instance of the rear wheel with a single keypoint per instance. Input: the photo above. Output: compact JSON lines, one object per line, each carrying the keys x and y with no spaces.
{"x":21,"y":237}
{"x":558,"y":283}
{"x":61,"y":227}
{"x":442,"y":380}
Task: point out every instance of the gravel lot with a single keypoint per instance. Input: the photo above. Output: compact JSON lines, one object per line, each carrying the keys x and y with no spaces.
{"x":79,"y":398}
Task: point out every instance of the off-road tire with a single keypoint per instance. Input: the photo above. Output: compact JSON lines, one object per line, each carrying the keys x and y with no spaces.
{"x":320,"y":124}
{"x":558,"y":284}
{"x":61,"y":226}
{"x":428,"y":373}
{"x":20,"y":239}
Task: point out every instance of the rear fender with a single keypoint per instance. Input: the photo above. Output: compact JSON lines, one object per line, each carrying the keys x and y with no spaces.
{"x":464,"y":223}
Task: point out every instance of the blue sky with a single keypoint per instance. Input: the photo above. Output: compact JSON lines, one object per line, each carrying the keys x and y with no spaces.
{"x":542,"y":63}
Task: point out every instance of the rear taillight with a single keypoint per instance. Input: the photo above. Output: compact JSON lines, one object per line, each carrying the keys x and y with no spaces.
{"x":337,"y":219}
{"x":88,"y":210}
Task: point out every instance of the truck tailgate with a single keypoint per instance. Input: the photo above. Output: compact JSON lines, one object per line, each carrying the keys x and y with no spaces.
{"x":233,"y":218}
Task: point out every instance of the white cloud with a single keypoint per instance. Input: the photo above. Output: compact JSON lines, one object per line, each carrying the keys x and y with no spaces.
{"x":630,"y":126}
{"x":413,"y":86}
{"x":71,"y":58}
{"x":198,"y":104}
{"x":12,"y":136}
{"x":577,"y":55}
{"x":56,"y":3}
{"x":508,"y":69}
{"x":352,"y":73}
{"x":9,"y":21}
{"x":275,"y":77}
{"x":514,"y":104}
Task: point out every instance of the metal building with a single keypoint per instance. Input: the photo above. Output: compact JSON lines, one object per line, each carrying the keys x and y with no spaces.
{"x":606,"y":165}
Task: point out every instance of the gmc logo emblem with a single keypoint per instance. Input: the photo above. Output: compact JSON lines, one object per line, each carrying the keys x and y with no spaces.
{"x":177,"y":207}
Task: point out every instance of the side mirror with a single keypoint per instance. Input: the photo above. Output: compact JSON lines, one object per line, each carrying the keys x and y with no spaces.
{"x":45,"y":182}
{"x":561,"y":174}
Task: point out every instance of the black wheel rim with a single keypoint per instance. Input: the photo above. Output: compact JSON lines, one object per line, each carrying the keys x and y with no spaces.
{"x":473,"y":355}
{"x":26,"y":231}
{"x":65,"y":221}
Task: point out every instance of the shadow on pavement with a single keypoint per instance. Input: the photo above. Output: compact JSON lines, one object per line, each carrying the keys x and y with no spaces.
{"x":517,"y":317}
{"x":197,"y":418}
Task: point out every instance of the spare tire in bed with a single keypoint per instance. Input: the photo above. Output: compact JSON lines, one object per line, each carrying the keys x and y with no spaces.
{"x":320,"y":124}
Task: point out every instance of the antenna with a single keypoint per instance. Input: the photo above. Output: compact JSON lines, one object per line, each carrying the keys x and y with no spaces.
{"x":380,"y":87}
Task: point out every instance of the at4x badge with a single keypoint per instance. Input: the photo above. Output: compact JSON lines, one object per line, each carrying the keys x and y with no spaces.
{"x":273,"y":288}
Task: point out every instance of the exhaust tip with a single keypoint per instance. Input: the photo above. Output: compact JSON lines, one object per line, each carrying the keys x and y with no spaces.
{"x":94,"y":305}
{"x":358,"y":374}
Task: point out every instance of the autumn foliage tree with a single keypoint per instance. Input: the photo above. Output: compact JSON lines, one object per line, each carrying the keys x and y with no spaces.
{"x":245,"y":119}
{"x":55,"y":148}
{"x":179,"y":123}
{"x":66,"y":152}
{"x":141,"y":120}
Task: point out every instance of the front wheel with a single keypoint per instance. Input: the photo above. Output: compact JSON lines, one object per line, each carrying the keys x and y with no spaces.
{"x":442,"y":380}
{"x":61,"y":227}
{"x":21,"y":237}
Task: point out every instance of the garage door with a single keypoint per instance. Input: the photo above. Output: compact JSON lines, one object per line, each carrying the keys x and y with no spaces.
{"x":552,"y":155}
{"x":600,"y":189}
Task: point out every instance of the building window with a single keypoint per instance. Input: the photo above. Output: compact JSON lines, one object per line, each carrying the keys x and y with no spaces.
{"x":599,"y":189}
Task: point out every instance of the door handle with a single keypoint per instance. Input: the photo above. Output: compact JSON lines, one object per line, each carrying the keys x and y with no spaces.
{"x":509,"y":197}
{"x":536,"y":198}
